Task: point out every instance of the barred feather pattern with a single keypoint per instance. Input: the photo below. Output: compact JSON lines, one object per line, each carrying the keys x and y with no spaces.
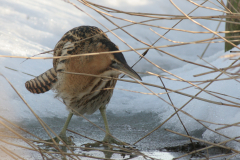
{"x":84,"y":94}
{"x":91,"y":98}
{"x":43,"y":82}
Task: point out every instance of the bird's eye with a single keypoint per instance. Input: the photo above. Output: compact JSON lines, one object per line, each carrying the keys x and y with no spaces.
{"x":114,"y":62}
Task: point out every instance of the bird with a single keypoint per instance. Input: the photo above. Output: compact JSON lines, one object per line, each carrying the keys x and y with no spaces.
{"x":83,"y":94}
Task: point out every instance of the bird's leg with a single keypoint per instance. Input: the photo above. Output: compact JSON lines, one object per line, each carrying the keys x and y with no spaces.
{"x":62,"y":134}
{"x":108,"y":138}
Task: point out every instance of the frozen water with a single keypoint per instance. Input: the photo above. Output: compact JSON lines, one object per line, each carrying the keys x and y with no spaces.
{"x":33,"y":27}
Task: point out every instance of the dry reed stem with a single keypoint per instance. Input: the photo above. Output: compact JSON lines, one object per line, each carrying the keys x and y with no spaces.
{"x":125,"y":149}
{"x":216,"y":5}
{"x":22,"y":130}
{"x":39,"y":120}
{"x":148,"y":84}
{"x":80,"y":155}
{"x":224,"y":95}
{"x":180,"y":109}
{"x":229,"y":2}
{"x":97,"y":149}
{"x":24,"y":147}
{"x":177,"y":113}
{"x":223,"y":4}
{"x":190,"y":86}
{"x":8,"y":153}
{"x":232,"y":156}
{"x":127,"y":152}
{"x":228,"y":125}
{"x":217,"y":70}
{"x":218,"y":156}
{"x":172,"y":92}
{"x":139,"y":40}
{"x":132,"y":150}
{"x":144,"y":53}
{"x":144,"y":42}
{"x":198,"y":120}
{"x":212,"y":37}
{"x":53,"y":141}
{"x":7,"y":136}
{"x":207,"y":7}
{"x":19,"y":127}
{"x":212,"y":122}
{"x":214,"y":69}
{"x":98,"y":53}
{"x":199,"y":150}
{"x":231,"y":55}
{"x":144,"y":48}
{"x":165,"y":27}
{"x":200,"y":140}
{"x":139,"y":92}
{"x":150,"y":15}
{"x":114,"y":33}
{"x":224,"y":21}
{"x":122,"y":148}
{"x":19,"y":157}
{"x":21,"y":137}
{"x":170,"y":117}
{"x":17,"y":145}
{"x":123,"y":30}
{"x":203,"y":25}
{"x":199,"y":87}
{"x":221,"y":70}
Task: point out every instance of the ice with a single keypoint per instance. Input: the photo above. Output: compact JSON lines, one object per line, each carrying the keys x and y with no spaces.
{"x":31,"y":27}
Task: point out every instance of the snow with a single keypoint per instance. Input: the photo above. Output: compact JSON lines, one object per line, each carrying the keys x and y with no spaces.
{"x":31,"y":27}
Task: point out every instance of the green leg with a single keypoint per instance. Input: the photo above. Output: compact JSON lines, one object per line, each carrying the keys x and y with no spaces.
{"x":63,"y":131}
{"x":104,"y":116}
{"x":108,"y":138}
{"x":62,"y":134}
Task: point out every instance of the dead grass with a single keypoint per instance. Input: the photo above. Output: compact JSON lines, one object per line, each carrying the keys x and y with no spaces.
{"x":106,"y":13}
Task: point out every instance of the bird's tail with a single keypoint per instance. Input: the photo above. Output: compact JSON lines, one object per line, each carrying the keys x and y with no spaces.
{"x":43,"y":82}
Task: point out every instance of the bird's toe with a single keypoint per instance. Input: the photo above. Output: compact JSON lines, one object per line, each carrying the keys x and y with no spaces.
{"x":65,"y":139}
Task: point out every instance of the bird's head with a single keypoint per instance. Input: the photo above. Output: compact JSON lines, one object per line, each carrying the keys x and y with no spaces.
{"x":118,"y":63}
{"x":113,"y":62}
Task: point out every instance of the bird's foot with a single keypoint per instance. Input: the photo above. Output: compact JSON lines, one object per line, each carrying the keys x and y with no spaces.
{"x":110,"y":140}
{"x":105,"y":143}
{"x":67,"y":140}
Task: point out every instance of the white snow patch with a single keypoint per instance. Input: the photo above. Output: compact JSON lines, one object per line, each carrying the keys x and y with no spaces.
{"x":31,"y":27}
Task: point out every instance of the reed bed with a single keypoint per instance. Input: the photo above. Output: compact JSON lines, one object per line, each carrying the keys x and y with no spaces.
{"x":63,"y":151}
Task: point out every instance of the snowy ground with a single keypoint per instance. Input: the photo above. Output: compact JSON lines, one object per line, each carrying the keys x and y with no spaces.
{"x":31,"y":27}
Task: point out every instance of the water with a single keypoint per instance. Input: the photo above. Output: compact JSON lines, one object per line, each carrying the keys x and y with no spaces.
{"x":128,"y":129}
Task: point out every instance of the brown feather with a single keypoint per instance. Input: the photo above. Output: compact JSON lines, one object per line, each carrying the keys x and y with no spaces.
{"x":43,"y":82}
{"x":84,"y":94}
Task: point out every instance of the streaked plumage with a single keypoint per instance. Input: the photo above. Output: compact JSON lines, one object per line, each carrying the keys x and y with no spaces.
{"x":43,"y":82}
{"x":84,"y":94}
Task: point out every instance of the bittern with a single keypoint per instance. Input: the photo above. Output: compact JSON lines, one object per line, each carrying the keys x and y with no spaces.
{"x":83,"y":94}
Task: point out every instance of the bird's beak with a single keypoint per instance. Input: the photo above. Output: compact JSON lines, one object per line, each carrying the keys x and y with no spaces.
{"x":127,"y":70}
